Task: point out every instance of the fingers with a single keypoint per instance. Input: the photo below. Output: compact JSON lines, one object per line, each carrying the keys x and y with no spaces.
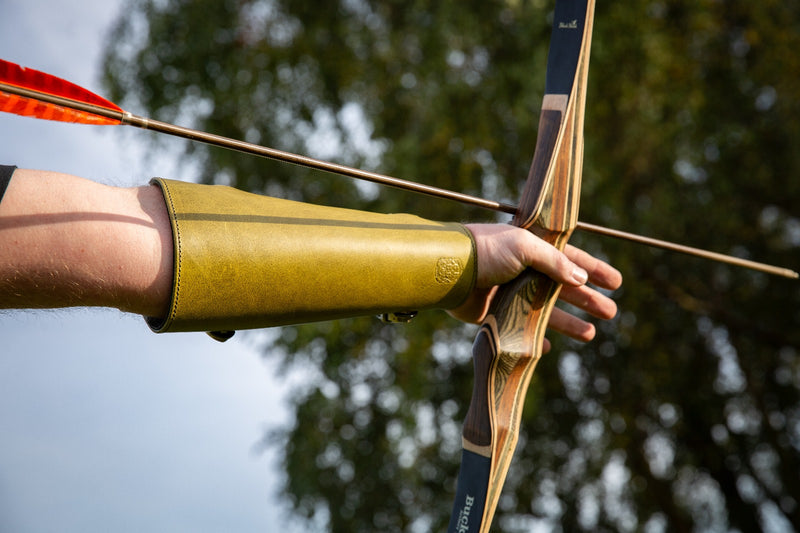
{"x":547,"y":259}
{"x":600,"y":273}
{"x":593,"y":302}
{"x":587,"y":299}
{"x":572,"y":326}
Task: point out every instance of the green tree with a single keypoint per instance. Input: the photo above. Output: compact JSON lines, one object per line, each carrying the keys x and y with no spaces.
{"x":685,"y":412}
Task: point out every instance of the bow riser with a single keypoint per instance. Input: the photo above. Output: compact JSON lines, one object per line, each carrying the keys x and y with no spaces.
{"x":518,"y":317}
{"x":551,"y":198}
{"x":510,"y":341}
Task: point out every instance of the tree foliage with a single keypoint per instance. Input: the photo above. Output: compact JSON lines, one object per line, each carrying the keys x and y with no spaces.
{"x":684,"y":413}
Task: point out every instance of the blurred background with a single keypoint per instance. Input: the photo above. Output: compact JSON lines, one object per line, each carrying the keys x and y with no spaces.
{"x":684,"y":413}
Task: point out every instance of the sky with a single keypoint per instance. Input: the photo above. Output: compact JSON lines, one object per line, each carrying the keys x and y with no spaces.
{"x":104,"y":425}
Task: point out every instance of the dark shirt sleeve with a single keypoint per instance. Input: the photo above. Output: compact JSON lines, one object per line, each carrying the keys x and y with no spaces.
{"x":5,"y":177}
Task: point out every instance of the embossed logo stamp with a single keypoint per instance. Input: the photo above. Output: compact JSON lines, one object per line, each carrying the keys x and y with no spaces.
{"x":448,"y":270}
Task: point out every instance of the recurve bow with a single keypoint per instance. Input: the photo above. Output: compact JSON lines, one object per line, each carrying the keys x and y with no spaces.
{"x":509,"y":342}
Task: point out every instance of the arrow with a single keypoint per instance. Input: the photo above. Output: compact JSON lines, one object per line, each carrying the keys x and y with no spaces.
{"x":31,"y":93}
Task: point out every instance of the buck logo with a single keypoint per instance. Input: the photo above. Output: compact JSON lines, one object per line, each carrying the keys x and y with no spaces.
{"x":463,"y":515}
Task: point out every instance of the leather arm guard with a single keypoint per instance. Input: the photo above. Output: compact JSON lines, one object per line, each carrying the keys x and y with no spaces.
{"x":243,"y":261}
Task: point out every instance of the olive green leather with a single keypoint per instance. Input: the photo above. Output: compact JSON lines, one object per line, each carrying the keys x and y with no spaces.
{"x":246,"y":261}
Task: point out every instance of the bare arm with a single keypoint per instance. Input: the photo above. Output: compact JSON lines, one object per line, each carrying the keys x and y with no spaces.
{"x":66,"y":241}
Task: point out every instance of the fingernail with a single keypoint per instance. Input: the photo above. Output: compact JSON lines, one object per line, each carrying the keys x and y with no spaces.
{"x":579,"y":275}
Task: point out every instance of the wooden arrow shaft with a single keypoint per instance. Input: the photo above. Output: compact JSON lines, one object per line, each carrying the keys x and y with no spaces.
{"x":689,"y":250}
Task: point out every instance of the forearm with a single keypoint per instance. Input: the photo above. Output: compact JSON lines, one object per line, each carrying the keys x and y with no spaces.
{"x":66,"y":241}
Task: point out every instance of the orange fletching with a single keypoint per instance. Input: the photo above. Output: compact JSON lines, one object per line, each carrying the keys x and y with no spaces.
{"x":46,"y":84}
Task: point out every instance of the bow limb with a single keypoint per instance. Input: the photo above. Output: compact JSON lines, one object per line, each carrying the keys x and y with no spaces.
{"x":509,"y":342}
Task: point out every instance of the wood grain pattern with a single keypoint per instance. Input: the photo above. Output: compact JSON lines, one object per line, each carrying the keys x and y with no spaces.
{"x":510,"y":340}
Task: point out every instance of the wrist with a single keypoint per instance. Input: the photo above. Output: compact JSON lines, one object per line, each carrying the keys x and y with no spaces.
{"x":150,"y":283}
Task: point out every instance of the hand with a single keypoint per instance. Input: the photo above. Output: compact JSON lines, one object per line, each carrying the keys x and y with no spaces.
{"x":504,"y":251}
